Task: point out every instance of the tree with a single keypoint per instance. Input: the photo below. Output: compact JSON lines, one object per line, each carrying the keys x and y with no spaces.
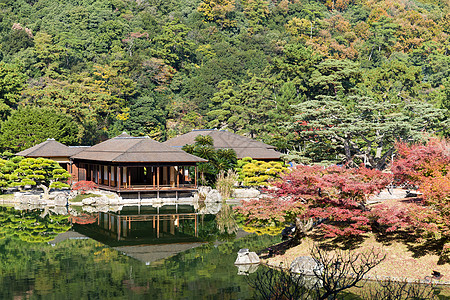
{"x":334,"y":197}
{"x":426,"y":166}
{"x":27,"y":127}
{"x":146,"y":117}
{"x":218,"y":12}
{"x":222,"y":106}
{"x":334,"y":77}
{"x":40,"y":172}
{"x":48,"y":55}
{"x":84,"y":186}
{"x":296,"y":66}
{"x":382,"y":38}
{"x":252,"y":113}
{"x":12,"y":82}
{"x":256,"y":12}
{"x":394,"y":81}
{"x":172,"y":44}
{"x":363,"y":129}
{"x":218,"y":160}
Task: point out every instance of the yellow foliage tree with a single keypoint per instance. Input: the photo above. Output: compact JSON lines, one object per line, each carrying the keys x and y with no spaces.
{"x":218,"y":11}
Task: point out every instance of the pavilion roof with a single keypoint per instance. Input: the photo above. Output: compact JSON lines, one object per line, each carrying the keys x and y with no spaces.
{"x":244,"y":146}
{"x":125,"y":148}
{"x":50,"y":148}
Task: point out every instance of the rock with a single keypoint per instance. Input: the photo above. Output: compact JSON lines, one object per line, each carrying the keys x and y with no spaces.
{"x":207,"y":194}
{"x":246,"y":193}
{"x":61,"y":199}
{"x":306,"y":265}
{"x":101,"y":201}
{"x":246,"y":257}
{"x":89,"y":201}
{"x":213,"y":197}
{"x":28,"y":198}
{"x":202,"y":193}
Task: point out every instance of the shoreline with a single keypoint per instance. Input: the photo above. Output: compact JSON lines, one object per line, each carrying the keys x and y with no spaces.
{"x":398,"y":259}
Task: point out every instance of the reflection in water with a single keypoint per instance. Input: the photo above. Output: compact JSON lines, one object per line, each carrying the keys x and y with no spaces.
{"x":183,"y":255}
{"x":145,"y":233}
{"x":143,"y":225}
{"x":31,"y":226}
{"x":226,"y":222}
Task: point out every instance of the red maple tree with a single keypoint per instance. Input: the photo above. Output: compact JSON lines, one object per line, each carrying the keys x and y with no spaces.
{"x":427,"y":167}
{"x":335,"y":195}
{"x":84,"y":186}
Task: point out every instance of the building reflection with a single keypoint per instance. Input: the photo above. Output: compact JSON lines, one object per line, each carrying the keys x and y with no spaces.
{"x":139,"y":225}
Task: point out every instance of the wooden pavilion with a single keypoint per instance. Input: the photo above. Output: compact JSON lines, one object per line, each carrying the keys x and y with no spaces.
{"x":243,"y":146}
{"x":53,"y":150}
{"x":136,"y":164}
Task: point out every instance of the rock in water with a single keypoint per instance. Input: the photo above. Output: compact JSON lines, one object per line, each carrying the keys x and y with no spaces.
{"x":213,"y":197}
{"x":246,"y":257}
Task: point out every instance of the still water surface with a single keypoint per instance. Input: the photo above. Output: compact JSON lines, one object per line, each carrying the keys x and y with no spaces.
{"x":165,"y":252}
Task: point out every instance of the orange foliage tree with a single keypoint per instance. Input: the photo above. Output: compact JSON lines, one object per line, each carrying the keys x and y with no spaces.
{"x":427,"y":166}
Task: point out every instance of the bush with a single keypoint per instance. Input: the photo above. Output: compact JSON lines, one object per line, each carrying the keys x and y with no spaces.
{"x":83,"y":186}
{"x":225,"y":183}
{"x":259,"y":173}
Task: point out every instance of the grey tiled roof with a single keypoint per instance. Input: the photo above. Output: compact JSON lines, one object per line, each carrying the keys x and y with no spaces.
{"x":244,"y":146}
{"x":125,"y":148}
{"x":50,"y":148}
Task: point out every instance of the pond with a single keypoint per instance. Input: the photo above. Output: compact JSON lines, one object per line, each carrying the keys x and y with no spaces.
{"x":140,"y":252}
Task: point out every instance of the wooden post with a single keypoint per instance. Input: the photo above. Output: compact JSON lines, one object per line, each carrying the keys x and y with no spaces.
{"x":195,"y":182}
{"x":178,"y":176}
{"x":119,"y":171}
{"x":157,"y":178}
{"x":109,"y":176}
{"x":154,"y":177}
{"x":91,"y":167}
{"x":98,"y":174}
{"x":129,"y":177}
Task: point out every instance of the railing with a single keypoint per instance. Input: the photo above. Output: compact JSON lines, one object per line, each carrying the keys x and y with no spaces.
{"x":142,"y":187}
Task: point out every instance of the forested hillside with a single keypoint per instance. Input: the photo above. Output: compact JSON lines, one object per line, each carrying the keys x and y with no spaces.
{"x":324,"y":80}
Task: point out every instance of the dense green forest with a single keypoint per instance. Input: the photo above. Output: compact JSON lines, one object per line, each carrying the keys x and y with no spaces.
{"x":322,"y":80}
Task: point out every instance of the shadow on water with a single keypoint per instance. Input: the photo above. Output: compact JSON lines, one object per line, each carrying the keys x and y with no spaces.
{"x":165,"y":252}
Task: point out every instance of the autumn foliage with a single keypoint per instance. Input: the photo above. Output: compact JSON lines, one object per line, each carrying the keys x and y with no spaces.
{"x":426,"y":166}
{"x":336,"y":196}
{"x":84,"y":186}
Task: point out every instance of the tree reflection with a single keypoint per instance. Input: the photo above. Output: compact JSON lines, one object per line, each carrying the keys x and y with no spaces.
{"x":31,"y":226}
